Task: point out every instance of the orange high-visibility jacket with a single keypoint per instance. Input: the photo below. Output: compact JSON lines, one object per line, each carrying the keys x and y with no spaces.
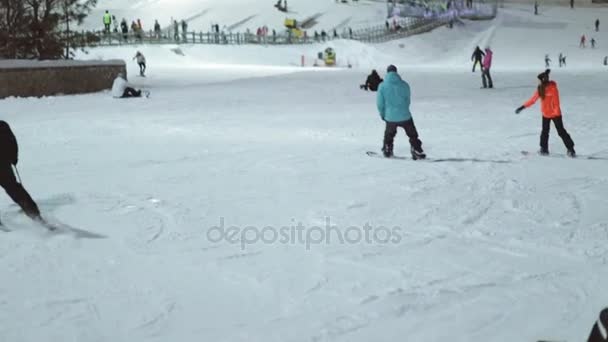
{"x":549,"y":106}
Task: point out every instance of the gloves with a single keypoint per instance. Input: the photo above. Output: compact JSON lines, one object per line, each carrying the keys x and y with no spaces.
{"x":518,"y":110}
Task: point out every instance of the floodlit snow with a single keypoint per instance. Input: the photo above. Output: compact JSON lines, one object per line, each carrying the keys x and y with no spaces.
{"x":488,"y":246}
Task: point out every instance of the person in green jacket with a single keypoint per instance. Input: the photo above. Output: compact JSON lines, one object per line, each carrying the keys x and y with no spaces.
{"x":107,"y":21}
{"x":393,"y":102}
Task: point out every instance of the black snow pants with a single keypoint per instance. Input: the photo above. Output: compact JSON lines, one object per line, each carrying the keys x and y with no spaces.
{"x":486,"y":79}
{"x":559,"y":126}
{"x":142,"y":68}
{"x":410,"y":129}
{"x":16,"y":191}
{"x":130,"y":92}
{"x":477,"y":60}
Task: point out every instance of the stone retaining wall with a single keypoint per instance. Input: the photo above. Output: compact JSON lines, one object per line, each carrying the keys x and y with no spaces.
{"x":25,"y":78}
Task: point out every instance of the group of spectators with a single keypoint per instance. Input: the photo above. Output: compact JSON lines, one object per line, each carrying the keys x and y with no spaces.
{"x":136,"y":29}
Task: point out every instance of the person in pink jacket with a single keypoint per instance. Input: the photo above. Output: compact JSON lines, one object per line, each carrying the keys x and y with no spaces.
{"x":486,"y":79}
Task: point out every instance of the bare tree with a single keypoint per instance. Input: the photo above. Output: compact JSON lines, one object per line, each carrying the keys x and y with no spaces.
{"x":34,"y":28}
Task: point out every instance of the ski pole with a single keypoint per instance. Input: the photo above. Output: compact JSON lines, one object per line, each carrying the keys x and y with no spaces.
{"x":17,"y":172}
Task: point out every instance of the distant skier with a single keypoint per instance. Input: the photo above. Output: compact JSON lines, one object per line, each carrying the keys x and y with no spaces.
{"x":583,"y":41}
{"x":141,"y":61}
{"x":547,"y":61}
{"x":393,"y":102}
{"x":606,"y":60}
{"x":562,"y":60}
{"x":477,"y":57}
{"x":123,"y":89}
{"x":597,"y":25}
{"x":486,"y":78}
{"x":593,"y":43}
{"x":535,"y":7}
{"x":373,"y":81}
{"x":9,"y":156}
{"x":548,"y":93}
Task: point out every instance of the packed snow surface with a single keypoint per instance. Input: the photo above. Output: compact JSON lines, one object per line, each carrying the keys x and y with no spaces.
{"x":320,"y":242}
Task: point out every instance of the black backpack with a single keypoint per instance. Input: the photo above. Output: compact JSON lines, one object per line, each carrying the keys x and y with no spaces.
{"x":8,"y":144}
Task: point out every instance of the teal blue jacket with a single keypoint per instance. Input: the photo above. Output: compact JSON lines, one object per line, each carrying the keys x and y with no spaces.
{"x":393,"y":99}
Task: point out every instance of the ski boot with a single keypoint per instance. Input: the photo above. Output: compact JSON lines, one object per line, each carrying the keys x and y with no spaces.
{"x":387,"y":151}
{"x":417,"y":154}
{"x":543,"y":151}
{"x":571,"y":153}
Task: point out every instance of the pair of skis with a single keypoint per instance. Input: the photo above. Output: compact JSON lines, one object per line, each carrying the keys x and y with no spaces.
{"x":60,"y":228}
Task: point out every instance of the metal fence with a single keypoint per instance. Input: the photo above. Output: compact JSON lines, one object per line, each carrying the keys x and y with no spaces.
{"x":395,"y":29}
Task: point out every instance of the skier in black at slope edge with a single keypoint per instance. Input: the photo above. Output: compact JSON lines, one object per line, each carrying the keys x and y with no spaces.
{"x":9,"y":156}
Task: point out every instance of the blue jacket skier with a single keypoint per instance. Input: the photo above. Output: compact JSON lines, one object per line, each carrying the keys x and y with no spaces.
{"x":393,"y":102}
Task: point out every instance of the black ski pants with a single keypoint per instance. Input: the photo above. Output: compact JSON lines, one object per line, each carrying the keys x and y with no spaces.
{"x":410,"y":129}
{"x":559,"y":126}
{"x":477,"y":61}
{"x":17,"y":192}
{"x":142,"y":68}
{"x":486,"y":78}
{"x":130,"y":92}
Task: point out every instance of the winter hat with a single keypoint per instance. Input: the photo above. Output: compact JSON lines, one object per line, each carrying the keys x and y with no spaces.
{"x":391,"y":68}
{"x":544,"y":76}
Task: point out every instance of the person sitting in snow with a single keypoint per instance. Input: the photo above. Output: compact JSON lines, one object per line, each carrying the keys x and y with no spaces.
{"x":123,"y":89}
{"x":372,"y":82}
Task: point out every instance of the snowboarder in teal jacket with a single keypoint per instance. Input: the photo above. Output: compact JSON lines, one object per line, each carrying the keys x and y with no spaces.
{"x":393,"y":101}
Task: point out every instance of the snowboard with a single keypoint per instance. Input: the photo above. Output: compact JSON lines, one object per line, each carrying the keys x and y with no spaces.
{"x":380,"y":155}
{"x":440,"y":160}
{"x":562,"y":155}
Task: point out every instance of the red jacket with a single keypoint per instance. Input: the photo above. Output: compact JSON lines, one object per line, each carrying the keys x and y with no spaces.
{"x":550,"y":105}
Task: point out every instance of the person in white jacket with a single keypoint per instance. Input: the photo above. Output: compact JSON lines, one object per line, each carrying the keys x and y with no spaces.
{"x":123,"y":89}
{"x":141,"y":61}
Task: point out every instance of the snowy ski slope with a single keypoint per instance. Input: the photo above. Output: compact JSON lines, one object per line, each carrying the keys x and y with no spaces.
{"x":203,"y":13}
{"x":490,"y":245}
{"x":519,"y":41}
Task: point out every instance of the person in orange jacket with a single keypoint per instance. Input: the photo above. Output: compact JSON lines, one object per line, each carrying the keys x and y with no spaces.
{"x":549,"y":96}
